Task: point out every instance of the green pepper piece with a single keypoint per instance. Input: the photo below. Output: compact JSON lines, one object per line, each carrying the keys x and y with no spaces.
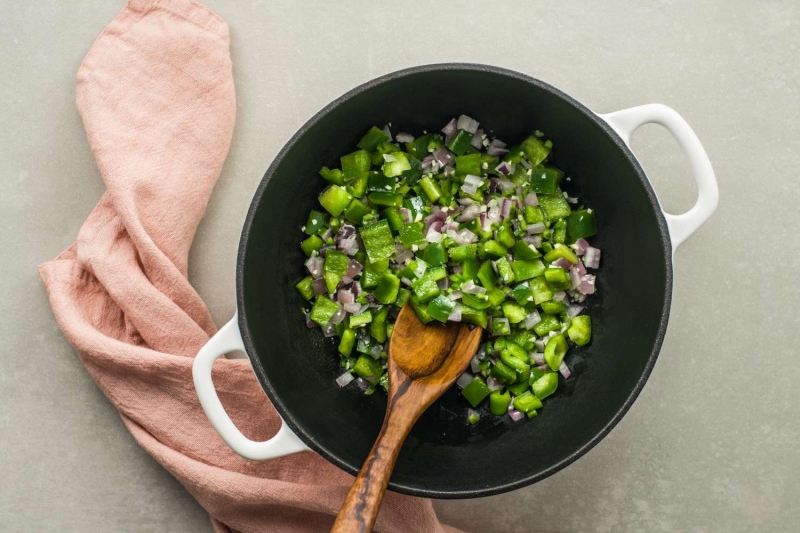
{"x":557,"y":278}
{"x":409,"y":271}
{"x":473,"y":417}
{"x":535,"y":374}
{"x":347,"y":342}
{"x":500,"y":326}
{"x":387,"y":289}
{"x":527,"y":402}
{"x":312,"y":244}
{"x":515,"y":313}
{"x":553,"y":307}
{"x":549,"y":323}
{"x":402,"y":297}
{"x":505,"y":271}
{"x":379,"y":182}
{"x":545,"y":385}
{"x":519,"y":177}
{"x":459,"y":254}
{"x":317,"y":221}
{"x":554,"y":206}
{"x":533,"y":214}
{"x":505,"y":236}
{"x":395,"y":164}
{"x":475,"y":301}
{"x":522,"y":293}
{"x":419,"y":146}
{"x":529,"y":269}
{"x":420,"y":309}
{"x":487,"y":276}
{"x":430,"y":188}
{"x":581,"y":224}
{"x":469,"y":268}
{"x":323,"y":310}
{"x":495,"y":249}
{"x":518,"y":388}
{"x":514,"y":154}
{"x":377,"y":328}
{"x":470,"y":315}
{"x":560,"y":231}
{"x":334,"y":176}
{"x":440,"y":308}
{"x":545,"y":180}
{"x":468,"y":164}
{"x":393,"y":217}
{"x":358,"y":186}
{"x":496,"y":296}
{"x":541,"y":290}
{"x":386,"y":198}
{"x":304,"y":287}
{"x":459,"y":144}
{"x":372,"y":139}
{"x":437,"y":272}
{"x":524,"y":339}
{"x":367,"y":368}
{"x":335,"y":267}
{"x":434,"y":254}
{"x":522,"y":368}
{"x":378,"y":240}
{"x":356,"y":321}
{"x":410,"y":234}
{"x":425,"y":287}
{"x":356,"y":211}
{"x":499,"y":402}
{"x":335,"y":199}
{"x":383,"y":148}
{"x":559,"y":251}
{"x":580,"y":330}
{"x":504,"y":373}
{"x":476,"y":391}
{"x":555,"y":350}
{"x":373,"y":273}
{"x":355,"y":164}
{"x":535,"y":150}
{"x":547,"y":247}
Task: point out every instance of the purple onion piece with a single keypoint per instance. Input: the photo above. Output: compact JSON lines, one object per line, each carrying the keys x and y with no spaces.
{"x":477,"y":139}
{"x":580,"y":246}
{"x":515,"y":415}
{"x":587,"y":285}
{"x":464,"y":380}
{"x":591,"y":258}
{"x":403,"y":137}
{"x":468,"y":124}
{"x":564,"y":369}
{"x":319,"y":286}
{"x":345,"y":379}
{"x":562,"y":263}
{"x":314,"y":265}
{"x":531,"y":199}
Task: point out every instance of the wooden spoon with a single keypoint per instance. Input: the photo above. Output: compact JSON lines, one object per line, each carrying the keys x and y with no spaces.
{"x":424,"y":361}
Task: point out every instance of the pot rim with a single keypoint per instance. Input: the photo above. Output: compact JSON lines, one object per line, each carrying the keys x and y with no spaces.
{"x":308,"y":438}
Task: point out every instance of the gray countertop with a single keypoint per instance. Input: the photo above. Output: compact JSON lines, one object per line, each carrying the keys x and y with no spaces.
{"x":711,"y":445}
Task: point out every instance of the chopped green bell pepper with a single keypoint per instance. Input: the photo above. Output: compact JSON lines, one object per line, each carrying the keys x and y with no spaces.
{"x":476,"y":391}
{"x":425,"y":287}
{"x":377,"y":328}
{"x":581,"y":224}
{"x":387,"y":289}
{"x":580,"y":330}
{"x":312,"y":244}
{"x":470,"y":315}
{"x":555,"y":350}
{"x":548,"y":323}
{"x":545,"y":180}
{"x":486,"y":275}
{"x":499,"y":402}
{"x":323,"y":310}
{"x":334,"y":176}
{"x":505,"y":271}
{"x":529,"y":269}
{"x":554,"y":206}
{"x":515,"y":313}
{"x":541,"y":290}
{"x":545,"y":385}
{"x":347,"y":342}
{"x":304,"y":287}
{"x":367,"y":368}
{"x":373,"y":272}
{"x":535,"y":149}
{"x":372,"y":139}
{"x":440,"y":308}
{"x":460,"y":142}
{"x":335,"y":199}
{"x":527,"y":402}
{"x":378,"y":240}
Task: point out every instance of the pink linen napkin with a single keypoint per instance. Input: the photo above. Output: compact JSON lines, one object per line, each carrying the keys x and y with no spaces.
{"x":157,"y":100}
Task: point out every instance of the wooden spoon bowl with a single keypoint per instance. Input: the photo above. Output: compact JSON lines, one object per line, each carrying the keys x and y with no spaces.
{"x":424,"y":361}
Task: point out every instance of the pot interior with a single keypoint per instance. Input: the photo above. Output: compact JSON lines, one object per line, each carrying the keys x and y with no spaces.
{"x":444,"y":457}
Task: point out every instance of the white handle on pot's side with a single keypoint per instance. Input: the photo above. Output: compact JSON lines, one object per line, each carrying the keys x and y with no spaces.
{"x":626,"y":121}
{"x":226,"y":340}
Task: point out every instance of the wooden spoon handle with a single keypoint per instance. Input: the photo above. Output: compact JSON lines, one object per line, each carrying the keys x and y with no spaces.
{"x":363,"y":502}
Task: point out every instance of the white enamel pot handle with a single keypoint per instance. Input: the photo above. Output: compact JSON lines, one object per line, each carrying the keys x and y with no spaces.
{"x":228,"y":339}
{"x":626,"y":121}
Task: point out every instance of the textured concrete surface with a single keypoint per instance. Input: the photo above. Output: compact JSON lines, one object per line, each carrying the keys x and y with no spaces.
{"x":712,"y":443}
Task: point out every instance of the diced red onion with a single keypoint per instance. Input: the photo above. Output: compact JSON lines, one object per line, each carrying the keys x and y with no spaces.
{"x":515,"y":225}
{"x":471,"y":212}
{"x":329,"y":330}
{"x":339,"y":315}
{"x":457,"y":268}
{"x":388,"y":133}
{"x":492,"y":186}
{"x":467,"y":124}
{"x":587,"y":285}
{"x":537,"y":358}
{"x":543,"y":367}
{"x":433,"y":236}
{"x":455,"y":314}
{"x":496,"y":147}
{"x":362,"y":384}
{"x":470,"y":288}
{"x":580,"y":246}
{"x":493,"y":215}
{"x":493,"y":383}
{"x":505,"y":208}
{"x":531,"y":199}
{"x":515,"y":415}
{"x":406,"y":214}
{"x":580,"y":268}
{"x":455,"y":295}
{"x":592,"y":257}
{"x":346,"y":231}
{"x":505,"y":185}
{"x":349,"y":245}
{"x":531,"y":320}
{"x":352,"y":308}
{"x":562,"y":263}
{"x":475,"y":365}
{"x":574,"y":278}
{"x":448,"y":171}
{"x":314,"y":266}
{"x":406,"y":281}
{"x":575,"y":309}
{"x":559,"y":296}
{"x":481,"y":353}
{"x":422,"y":266}
{"x":462,"y":237}
{"x":450,"y":128}
{"x":506,"y":168}
{"x":327,"y":234}
{"x":375,"y":351}
{"x":535,"y":228}
{"x":354,"y":268}
{"x":564,"y":369}
{"x":403,"y":137}
{"x":345,"y":379}
{"x":525,"y":164}
{"x":310,"y":323}
{"x":401,"y":254}
{"x":539,"y":344}
{"x":443,"y":283}
{"x":464,"y":202}
{"x":427,"y":161}
{"x":464,"y":380}
{"x":443,"y":156}
{"x":389,"y":158}
{"x":356,"y":288}
{"x":319,"y":286}
{"x":477,"y":139}
{"x":533,"y":240}
{"x":345,"y":296}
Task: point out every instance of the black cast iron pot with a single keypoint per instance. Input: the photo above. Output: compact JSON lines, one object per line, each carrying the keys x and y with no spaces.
{"x":444,"y":457}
